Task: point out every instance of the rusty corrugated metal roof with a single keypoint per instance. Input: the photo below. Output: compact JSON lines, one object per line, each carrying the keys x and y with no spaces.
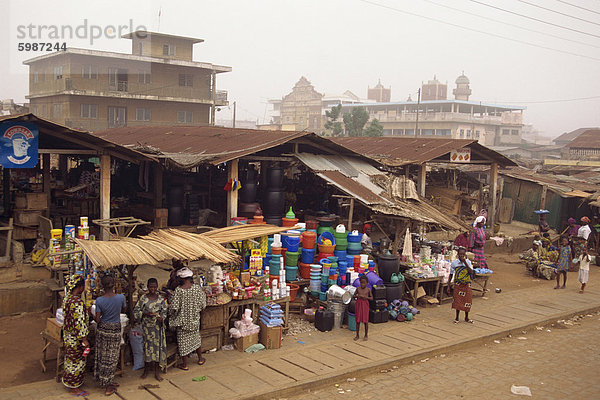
{"x":75,"y":138}
{"x":399,"y":151}
{"x":589,"y":139}
{"x":352,"y":187}
{"x":193,"y":145}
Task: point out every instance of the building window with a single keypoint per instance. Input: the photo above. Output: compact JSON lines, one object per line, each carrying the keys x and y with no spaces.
{"x":89,"y":72}
{"x":117,"y":79}
{"x":144,"y":77}
{"x":301,"y":122}
{"x":168,"y":50}
{"x":315,"y":124}
{"x":89,"y":111}
{"x":477,"y":134}
{"x":468,"y":133}
{"x":184,"y":117}
{"x":56,"y":110}
{"x":514,"y":132}
{"x":58,"y":72}
{"x":36,"y":77}
{"x":117,"y":116}
{"x":186,"y":80}
{"x":506,"y":131}
{"x":428,"y":132}
{"x":462,"y":133}
{"x":142,"y":114}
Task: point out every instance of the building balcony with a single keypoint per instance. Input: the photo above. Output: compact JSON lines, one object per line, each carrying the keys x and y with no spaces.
{"x":507,"y":118}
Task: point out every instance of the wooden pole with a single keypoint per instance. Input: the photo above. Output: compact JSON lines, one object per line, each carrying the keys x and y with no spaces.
{"x":399,"y":225}
{"x":422,"y":179}
{"x":350,"y":214}
{"x":104,"y":192}
{"x":46,"y":182}
{"x":493,"y":197}
{"x":6,"y":191}
{"x":543,"y":199}
{"x":232,"y":196}
{"x":158,"y":185}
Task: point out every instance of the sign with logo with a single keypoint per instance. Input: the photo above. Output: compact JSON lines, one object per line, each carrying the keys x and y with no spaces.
{"x":18,"y":144}
{"x":460,"y":156}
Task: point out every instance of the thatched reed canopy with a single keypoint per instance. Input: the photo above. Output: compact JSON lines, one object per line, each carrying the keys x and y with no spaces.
{"x":235,"y":233}
{"x":155,"y":248}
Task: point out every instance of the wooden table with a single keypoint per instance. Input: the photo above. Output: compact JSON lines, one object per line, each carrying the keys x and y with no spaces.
{"x":481,"y":281}
{"x":232,"y":309}
{"x":49,"y":340}
{"x":415,"y":282}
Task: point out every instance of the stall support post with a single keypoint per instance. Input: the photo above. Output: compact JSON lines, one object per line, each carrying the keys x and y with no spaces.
{"x":232,"y":195}
{"x":104,"y":192}
{"x":399,"y":228}
{"x":422,"y":178}
{"x":493,"y":195}
{"x":158,"y":186}
{"x":543,"y":199}
{"x":350,"y":214}
{"x":6,"y":191}
{"x":46,"y":181}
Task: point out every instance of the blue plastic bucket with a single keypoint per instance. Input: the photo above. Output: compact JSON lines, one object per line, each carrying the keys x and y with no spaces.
{"x":290,"y":273}
{"x":323,"y":296}
{"x":351,"y":322}
{"x":340,"y":254}
{"x":308,"y":256}
{"x":292,"y":243}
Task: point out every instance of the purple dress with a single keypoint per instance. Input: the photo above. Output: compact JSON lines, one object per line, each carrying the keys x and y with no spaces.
{"x":564,"y":259}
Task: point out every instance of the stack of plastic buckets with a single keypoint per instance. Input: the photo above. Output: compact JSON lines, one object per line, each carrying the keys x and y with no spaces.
{"x":326,"y":266}
{"x":315,"y":280}
{"x":354,"y":247}
{"x":291,"y":257}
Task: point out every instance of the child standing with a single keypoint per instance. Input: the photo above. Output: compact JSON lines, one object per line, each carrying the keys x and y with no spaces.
{"x":363,"y":295}
{"x":584,"y":268}
{"x":564,"y":260}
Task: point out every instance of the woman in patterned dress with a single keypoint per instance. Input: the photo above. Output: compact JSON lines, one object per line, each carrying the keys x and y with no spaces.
{"x":564,"y":261}
{"x":151,"y":312}
{"x":184,"y":315}
{"x":75,"y":331}
{"x":477,"y":241}
{"x":462,"y":295}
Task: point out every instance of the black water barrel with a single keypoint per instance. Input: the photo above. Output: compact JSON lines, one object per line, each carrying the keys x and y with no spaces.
{"x":175,"y":196}
{"x":248,"y":192}
{"x":176,"y":216}
{"x":273,"y":220}
{"x":324,"y":320}
{"x":275,"y":178}
{"x":387,"y":265}
{"x":394,"y":291}
{"x":273,"y":202}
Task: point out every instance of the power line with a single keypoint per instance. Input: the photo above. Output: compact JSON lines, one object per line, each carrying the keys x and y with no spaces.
{"x":534,"y":19}
{"x":510,"y":24}
{"x":558,"y":12}
{"x":548,"y":101}
{"x":576,"y":6}
{"x":478,"y":31}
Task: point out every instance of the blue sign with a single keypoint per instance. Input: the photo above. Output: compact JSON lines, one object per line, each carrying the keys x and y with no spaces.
{"x":18,"y":144}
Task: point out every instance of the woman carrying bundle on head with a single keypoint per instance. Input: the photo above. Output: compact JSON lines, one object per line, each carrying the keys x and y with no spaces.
{"x":477,"y":241}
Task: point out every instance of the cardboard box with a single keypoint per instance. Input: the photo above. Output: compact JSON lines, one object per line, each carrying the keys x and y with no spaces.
{"x":244,"y":342}
{"x":27,"y":217}
{"x":53,"y":329}
{"x":31,"y":201}
{"x":270,"y":337}
{"x":21,"y":232}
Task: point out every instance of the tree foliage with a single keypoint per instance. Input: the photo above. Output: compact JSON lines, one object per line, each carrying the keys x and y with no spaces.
{"x":332,"y":124}
{"x":355,"y":121}
{"x":374,"y":129}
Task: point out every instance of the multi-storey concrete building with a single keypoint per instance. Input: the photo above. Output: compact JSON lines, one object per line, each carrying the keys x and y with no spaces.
{"x":157,"y":84}
{"x":460,"y":118}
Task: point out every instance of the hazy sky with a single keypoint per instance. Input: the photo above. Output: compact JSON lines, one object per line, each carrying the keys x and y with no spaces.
{"x":350,"y":44}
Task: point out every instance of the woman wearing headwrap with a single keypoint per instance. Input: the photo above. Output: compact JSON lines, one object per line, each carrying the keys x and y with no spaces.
{"x":532,"y":257}
{"x":366,"y":242}
{"x":477,"y":241}
{"x":581,"y":240}
{"x":184,"y":315}
{"x":75,"y":331}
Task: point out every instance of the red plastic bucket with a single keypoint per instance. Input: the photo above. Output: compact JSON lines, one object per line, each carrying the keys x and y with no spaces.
{"x":309,"y":239}
{"x":304,"y":270}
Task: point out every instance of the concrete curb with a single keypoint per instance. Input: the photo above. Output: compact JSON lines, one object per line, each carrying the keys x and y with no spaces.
{"x":408,"y":358}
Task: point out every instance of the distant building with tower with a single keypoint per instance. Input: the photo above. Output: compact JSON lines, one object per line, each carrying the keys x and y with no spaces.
{"x":458,"y":118}
{"x":379,"y":93}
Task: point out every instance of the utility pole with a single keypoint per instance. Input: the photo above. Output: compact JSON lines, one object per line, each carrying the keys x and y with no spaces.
{"x":418,"y":107}
{"x":234,"y":106}
{"x":214,"y":97}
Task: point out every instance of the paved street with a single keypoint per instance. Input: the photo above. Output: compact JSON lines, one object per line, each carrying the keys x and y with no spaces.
{"x":560,"y":364}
